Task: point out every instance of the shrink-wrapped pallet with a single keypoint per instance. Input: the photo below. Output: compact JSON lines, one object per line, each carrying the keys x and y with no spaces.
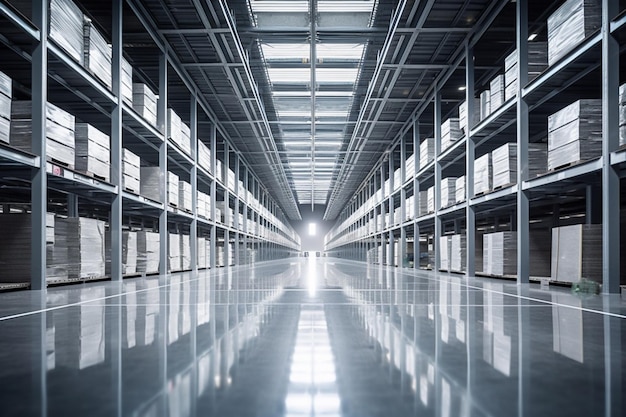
{"x":409,"y":168}
{"x":174,"y":258}
{"x":430,"y":193}
{"x":202,"y":252}
{"x":482,"y":174}
{"x":184,"y":196}
{"x":6,"y":94}
{"x":496,"y":91}
{"x":204,"y":156}
{"x":458,"y":249}
{"x":131,"y":171}
{"x":185,"y":252}
{"x":129,"y":252}
{"x":81,"y":243}
{"x":570,"y":24}
{"x":504,"y":161}
{"x":577,"y":253}
{"x":148,"y":246}
{"x":463,"y":115}
{"x":92,"y":151}
{"x":485,"y":104}
{"x":444,"y":253}
{"x":537,"y":63}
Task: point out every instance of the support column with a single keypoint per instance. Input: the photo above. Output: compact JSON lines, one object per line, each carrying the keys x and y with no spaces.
{"x":193,"y":232}
{"x":470,"y":213}
{"x":161,"y":122}
{"x":438,"y":222}
{"x":213,"y":197}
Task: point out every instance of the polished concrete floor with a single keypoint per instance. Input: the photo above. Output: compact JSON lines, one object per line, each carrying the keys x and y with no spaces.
{"x":311,"y":337}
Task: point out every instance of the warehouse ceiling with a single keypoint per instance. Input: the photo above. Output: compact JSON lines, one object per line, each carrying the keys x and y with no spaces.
{"x":313,"y":92}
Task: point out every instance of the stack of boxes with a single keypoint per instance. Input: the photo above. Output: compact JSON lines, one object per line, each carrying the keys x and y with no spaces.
{"x":397,"y":179}
{"x":458,"y":250}
{"x":463,"y":115}
{"x":202,"y":205}
{"x":97,"y":53}
{"x":537,"y":62}
{"x":174,"y":259}
{"x":570,"y":24}
{"x":504,"y":161}
{"x":444,"y":253}
{"x":92,"y":151}
{"x":575,"y":133}
{"x":145,"y":103}
{"x":150,"y":182}
{"x":430,"y":206}
{"x":485,"y":104}
{"x":178,"y":132}
{"x":409,"y":168}
{"x":448,"y":193}
{"x":427,"y":152}
{"x":148,"y":246}
{"x":184,"y":196}
{"x":80,"y":242}
{"x":537,"y":159}
{"x":60,"y":135}
{"x":131,"y":171}
{"x":129,"y":252}
{"x":66,"y":27}
{"x":185,"y":252}
{"x":500,"y":253}
{"x":231,"y":180}
{"x":450,"y":133}
{"x":202,"y":252}
{"x":172,"y":189}
{"x":622,"y":115}
{"x":459,"y":189}
{"x":204,"y":156}
{"x":6,"y":94}
{"x":482,"y":174}
{"x":577,"y":253}
{"x":409,"y":208}
{"x":496,"y":90}
{"x":127,"y":82}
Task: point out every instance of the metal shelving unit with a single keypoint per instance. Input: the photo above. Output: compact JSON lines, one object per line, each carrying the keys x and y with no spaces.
{"x":42,"y":71}
{"x":586,"y":192}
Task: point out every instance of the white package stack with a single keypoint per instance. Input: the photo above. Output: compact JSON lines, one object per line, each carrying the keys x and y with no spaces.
{"x":409,"y":210}
{"x":202,"y":205}
{"x":427,"y":152}
{"x":500,"y":253}
{"x":459,"y":189}
{"x":129,"y":252}
{"x":174,"y":130}
{"x":485,"y":104}
{"x":131,"y":170}
{"x":92,"y":151}
{"x":6,"y":94}
{"x":172,"y":189}
{"x":185,"y":252}
{"x":444,"y":253}
{"x":575,"y":133}
{"x":184,"y":196}
{"x":145,"y":103}
{"x":66,"y":27}
{"x":409,"y":168}
{"x":204,"y":156}
{"x":81,"y":241}
{"x":496,"y":90}
{"x":457,"y":253}
{"x":570,"y":24}
{"x":174,"y":259}
{"x":423,"y":203}
{"x":60,"y":135}
{"x":482,"y":174}
{"x":450,"y":133}
{"x":447,"y":192}
{"x":127,"y":82}
{"x":504,"y":161}
{"x":202,"y":252}
{"x":463,"y":115}
{"x":150,"y":182}
{"x":148,"y":246}
{"x":97,"y":53}
{"x":577,"y":253}
{"x":185,"y":138}
{"x":431,"y":199}
{"x":622,"y":115}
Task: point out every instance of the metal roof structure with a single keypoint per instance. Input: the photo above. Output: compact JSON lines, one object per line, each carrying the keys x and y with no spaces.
{"x":313,"y":92}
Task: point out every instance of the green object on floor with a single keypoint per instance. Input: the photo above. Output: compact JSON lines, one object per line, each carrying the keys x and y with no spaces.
{"x":586,"y":286}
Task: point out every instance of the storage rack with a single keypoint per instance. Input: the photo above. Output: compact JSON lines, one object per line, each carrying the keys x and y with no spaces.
{"x":586,"y":192}
{"x":43,"y":71}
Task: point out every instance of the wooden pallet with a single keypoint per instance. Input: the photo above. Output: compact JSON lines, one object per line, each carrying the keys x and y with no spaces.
{"x":480,"y":194}
{"x":499,"y":187}
{"x":568,"y":165}
{"x":95,"y":176}
{"x":130,"y":190}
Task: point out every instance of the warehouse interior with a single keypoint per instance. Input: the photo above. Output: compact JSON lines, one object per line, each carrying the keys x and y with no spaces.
{"x":312,"y":207}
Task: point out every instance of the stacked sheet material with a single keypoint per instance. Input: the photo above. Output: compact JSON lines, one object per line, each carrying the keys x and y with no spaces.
{"x":447,"y":192}
{"x":570,"y":24}
{"x":97,"y":54}
{"x":575,"y":133}
{"x":459,"y":189}
{"x":204,"y":156}
{"x":127,"y":82}
{"x":148,"y":246}
{"x":174,"y":257}
{"x":145,"y":103}
{"x":185,"y":252}
{"x":577,"y":253}
{"x":504,"y":161}
{"x":129,"y":252}
{"x":450,"y":133}
{"x":184,"y":196}
{"x":92,"y":151}
{"x":430,"y":192}
{"x":444,"y":253}
{"x":622,"y":115}
{"x":60,"y":127}
{"x":496,"y":90}
{"x":131,"y":171}
{"x":409,"y":168}
{"x":202,"y":252}
{"x":537,"y":63}
{"x":500,"y":253}
{"x":80,"y":242}
{"x":172,"y":189}
{"x":427,"y":152}
{"x":482,"y":174}
{"x":66,"y":27}
{"x":409,"y":208}
{"x":6,"y":95}
{"x":485,"y":104}
{"x":463,"y":115}
{"x":458,"y":250}
{"x":150,"y":183}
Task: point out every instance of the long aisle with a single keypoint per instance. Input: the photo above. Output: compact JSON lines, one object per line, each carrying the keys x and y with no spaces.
{"x":311,"y":337}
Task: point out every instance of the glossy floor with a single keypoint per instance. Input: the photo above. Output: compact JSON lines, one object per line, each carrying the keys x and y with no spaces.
{"x":311,"y":337}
